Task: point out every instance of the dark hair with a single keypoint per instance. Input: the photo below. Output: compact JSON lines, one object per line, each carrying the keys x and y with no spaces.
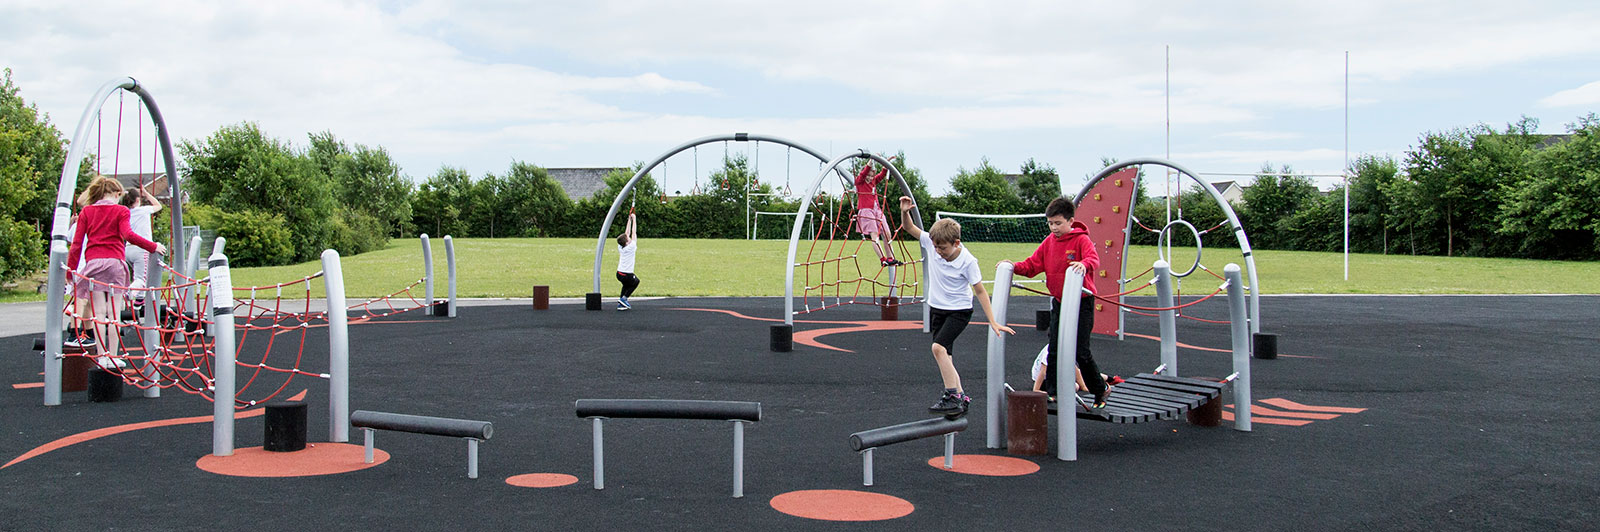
{"x":1061,"y":206}
{"x":622,"y":239}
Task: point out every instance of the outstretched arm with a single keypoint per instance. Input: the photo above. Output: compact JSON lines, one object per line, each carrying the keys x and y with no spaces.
{"x":906,"y":204}
{"x":983,"y":301}
{"x":633,"y":227}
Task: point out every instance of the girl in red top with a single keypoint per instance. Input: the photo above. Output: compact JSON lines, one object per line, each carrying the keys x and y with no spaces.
{"x":1067,"y":246}
{"x":869,"y":217}
{"x":102,"y":234}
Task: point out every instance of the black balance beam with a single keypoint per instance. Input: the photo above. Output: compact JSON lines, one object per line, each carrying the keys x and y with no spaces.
{"x":879,"y":437}
{"x":437,"y":426}
{"x":669,"y":409}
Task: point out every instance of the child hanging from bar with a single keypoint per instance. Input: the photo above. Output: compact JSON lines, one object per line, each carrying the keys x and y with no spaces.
{"x":954,"y":280}
{"x":103,"y":231}
{"x":627,"y":246}
{"x":870,"y":220}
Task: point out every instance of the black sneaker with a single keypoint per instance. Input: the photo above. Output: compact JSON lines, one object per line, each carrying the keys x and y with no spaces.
{"x":78,"y":341}
{"x":966,"y":400}
{"x":1100,"y":398}
{"x":949,"y":403}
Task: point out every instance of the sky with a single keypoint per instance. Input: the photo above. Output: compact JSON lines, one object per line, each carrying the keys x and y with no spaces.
{"x":477,"y":85}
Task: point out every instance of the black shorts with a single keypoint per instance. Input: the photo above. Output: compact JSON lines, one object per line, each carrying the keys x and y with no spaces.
{"x":946,"y":325}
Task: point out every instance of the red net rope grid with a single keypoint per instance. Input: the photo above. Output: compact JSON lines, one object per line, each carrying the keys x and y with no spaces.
{"x":826,"y":270}
{"x":184,"y":356}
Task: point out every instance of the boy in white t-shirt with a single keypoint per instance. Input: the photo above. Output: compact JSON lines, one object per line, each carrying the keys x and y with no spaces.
{"x":627,"y":246}
{"x":954,"y":279}
{"x":141,"y":205}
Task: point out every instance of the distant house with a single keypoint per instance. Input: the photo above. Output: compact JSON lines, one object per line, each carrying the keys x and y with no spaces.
{"x":155,"y":182}
{"x":1230,"y":190}
{"x":582,"y":183}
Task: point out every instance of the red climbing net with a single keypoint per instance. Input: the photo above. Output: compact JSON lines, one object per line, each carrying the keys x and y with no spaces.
{"x":845,"y":266}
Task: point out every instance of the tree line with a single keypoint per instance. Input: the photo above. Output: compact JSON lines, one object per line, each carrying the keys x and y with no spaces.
{"x":1470,"y":191}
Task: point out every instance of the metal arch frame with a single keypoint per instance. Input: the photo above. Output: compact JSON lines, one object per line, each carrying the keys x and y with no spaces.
{"x":805,"y":206}
{"x":616,"y":204}
{"x":1233,"y":219}
{"x":59,"y":238}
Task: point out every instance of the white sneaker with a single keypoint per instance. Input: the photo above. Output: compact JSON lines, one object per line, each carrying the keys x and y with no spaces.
{"x":115,"y":365}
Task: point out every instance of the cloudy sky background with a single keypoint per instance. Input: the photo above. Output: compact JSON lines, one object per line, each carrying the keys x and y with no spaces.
{"x":476,"y":85}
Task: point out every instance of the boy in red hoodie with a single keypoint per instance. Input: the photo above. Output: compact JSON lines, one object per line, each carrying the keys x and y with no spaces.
{"x":1067,"y":246}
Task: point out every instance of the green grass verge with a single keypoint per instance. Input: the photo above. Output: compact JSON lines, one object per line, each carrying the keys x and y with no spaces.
{"x":510,"y":267}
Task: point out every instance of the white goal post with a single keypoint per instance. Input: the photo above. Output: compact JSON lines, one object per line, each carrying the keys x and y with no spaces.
{"x":810,"y":226}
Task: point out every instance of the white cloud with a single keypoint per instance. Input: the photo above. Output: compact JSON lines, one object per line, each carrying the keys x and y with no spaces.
{"x":1588,"y":94}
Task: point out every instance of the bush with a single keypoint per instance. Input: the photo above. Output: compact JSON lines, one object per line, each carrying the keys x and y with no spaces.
{"x":356,"y":232}
{"x":253,"y":238}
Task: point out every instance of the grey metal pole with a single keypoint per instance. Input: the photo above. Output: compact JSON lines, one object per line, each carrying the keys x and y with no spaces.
{"x":866,"y":467}
{"x":338,"y":348}
{"x":152,"y":338}
{"x":599,"y":455}
{"x":472,"y":458}
{"x":450,"y":261}
{"x":738,"y":459}
{"x":1167,"y":318}
{"x":222,"y":383}
{"x":994,"y":388}
{"x":1241,"y":348}
{"x":368,"y":456}
{"x":1067,"y":358}
{"x":55,"y":299}
{"x":950,"y":450}
{"x":192,"y":265}
{"x":427,"y":274}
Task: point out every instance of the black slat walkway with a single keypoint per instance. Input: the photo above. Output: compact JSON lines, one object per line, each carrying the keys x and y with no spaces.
{"x":1149,"y":397}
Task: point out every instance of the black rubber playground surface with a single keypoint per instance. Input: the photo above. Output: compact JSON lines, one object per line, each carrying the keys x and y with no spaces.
{"x":1476,"y":413}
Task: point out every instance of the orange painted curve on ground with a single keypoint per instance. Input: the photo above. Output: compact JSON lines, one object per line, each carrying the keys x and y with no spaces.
{"x":842,"y":505}
{"x":119,"y":429}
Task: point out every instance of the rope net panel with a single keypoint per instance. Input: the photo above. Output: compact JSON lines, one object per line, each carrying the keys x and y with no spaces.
{"x":846,"y":266}
{"x":1030,"y":228}
{"x":271,"y":333}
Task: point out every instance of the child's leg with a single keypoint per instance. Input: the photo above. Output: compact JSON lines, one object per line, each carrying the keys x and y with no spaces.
{"x":1089,"y":372}
{"x":944,"y":340}
{"x":1054,"y":358}
{"x":947,"y":368}
{"x":105,"y":308}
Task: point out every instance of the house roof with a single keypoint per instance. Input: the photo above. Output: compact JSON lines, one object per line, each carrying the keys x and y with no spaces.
{"x":581,"y":183}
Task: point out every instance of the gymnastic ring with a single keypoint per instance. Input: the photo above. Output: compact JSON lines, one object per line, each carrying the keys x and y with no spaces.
{"x":1165,"y":253}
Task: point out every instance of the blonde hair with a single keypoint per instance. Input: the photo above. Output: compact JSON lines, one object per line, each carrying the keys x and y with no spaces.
{"x":945,"y":231}
{"x":98,"y":188}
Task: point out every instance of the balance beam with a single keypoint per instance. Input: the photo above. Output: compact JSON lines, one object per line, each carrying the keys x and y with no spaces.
{"x":739,"y":412}
{"x":867,"y":440}
{"x":474,"y":431}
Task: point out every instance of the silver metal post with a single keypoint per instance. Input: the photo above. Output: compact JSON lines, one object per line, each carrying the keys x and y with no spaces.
{"x":950,"y":450}
{"x":223,"y":390}
{"x":1167,"y":318}
{"x":338,"y":349}
{"x":1241,"y":347}
{"x":738,"y":459}
{"x":1067,"y":357}
{"x":866,"y":467}
{"x":599,"y":456}
{"x":368,"y":435}
{"x":54,"y":323}
{"x":994,"y":389}
{"x":472,"y":458}
{"x":152,"y":338}
{"x":427,"y":275}
{"x":450,"y":261}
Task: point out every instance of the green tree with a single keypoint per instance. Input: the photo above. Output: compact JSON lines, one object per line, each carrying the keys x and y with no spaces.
{"x":983,"y":190}
{"x":1318,"y":225}
{"x":1370,"y":206}
{"x":1269,"y":203}
{"x":534,"y":203}
{"x":1555,"y":214}
{"x":240,"y":169}
{"x":366,"y":180}
{"x":440,"y":203}
{"x":32,"y":154}
{"x":1038,"y":185}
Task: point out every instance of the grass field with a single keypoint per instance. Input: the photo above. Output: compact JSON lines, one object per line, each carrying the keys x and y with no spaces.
{"x":677,"y":267}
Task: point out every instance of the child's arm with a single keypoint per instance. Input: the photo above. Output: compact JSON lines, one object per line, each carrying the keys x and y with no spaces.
{"x":150,"y":199}
{"x":633,"y":228}
{"x":983,"y":301}
{"x":906,"y":204}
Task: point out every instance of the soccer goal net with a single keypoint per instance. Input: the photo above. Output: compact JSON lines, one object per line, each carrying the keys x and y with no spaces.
{"x":999,"y":227}
{"x":777,"y":226}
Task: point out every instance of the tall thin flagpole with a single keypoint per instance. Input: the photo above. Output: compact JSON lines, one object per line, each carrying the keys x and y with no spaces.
{"x":1347,"y":165}
{"x":1168,"y":177}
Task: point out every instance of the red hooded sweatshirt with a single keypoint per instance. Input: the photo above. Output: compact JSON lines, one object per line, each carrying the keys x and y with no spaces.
{"x":102,"y":230}
{"x":1055,"y":253}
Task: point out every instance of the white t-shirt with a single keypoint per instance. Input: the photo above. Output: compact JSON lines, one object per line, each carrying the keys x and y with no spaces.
{"x":625,"y":256}
{"x":950,"y":282}
{"x":139,"y":221}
